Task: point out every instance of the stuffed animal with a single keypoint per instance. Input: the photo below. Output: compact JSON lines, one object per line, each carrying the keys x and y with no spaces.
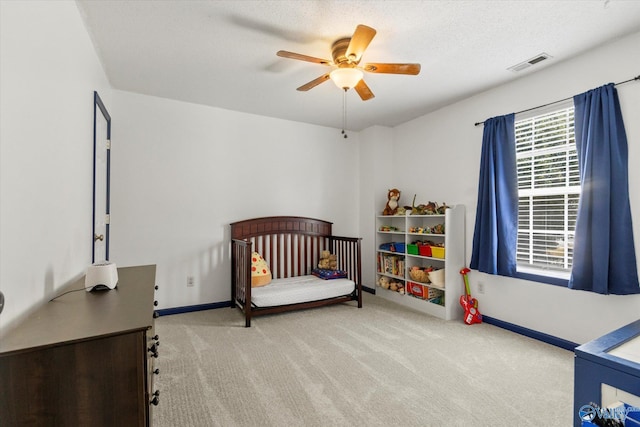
{"x":333,"y":262}
{"x":442,"y":208}
{"x":431,"y":208}
{"x":396,"y":286}
{"x":383,"y":281}
{"x":393,"y":196}
{"x":386,"y":283}
{"x":323,"y":263}
{"x":328,"y":261}
{"x":417,"y":210}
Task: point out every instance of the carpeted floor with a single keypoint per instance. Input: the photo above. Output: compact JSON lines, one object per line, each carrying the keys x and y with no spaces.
{"x":382,"y":365}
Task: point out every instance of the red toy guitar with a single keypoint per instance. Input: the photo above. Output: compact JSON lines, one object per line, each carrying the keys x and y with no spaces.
{"x":468,"y":303}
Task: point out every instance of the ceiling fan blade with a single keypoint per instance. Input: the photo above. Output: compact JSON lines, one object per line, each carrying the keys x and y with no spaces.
{"x":363,"y":90}
{"x":412,"y":69}
{"x":313,"y":83}
{"x":292,"y":55}
{"x":359,"y":42}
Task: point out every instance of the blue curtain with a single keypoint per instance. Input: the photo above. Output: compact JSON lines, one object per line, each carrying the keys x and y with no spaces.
{"x":604,"y":259}
{"x":496,"y":229}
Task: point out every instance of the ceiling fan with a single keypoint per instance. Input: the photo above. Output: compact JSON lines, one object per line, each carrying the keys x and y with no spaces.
{"x":347,"y":53}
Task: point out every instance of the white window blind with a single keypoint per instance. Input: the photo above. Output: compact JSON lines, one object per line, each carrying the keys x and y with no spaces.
{"x":548,"y":191}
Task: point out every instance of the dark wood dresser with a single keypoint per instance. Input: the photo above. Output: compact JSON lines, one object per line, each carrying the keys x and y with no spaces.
{"x":84,"y":359}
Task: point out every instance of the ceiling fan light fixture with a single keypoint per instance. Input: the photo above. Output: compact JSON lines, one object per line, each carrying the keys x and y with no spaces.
{"x":346,"y":78}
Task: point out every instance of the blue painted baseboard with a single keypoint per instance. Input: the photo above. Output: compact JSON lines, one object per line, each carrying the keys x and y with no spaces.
{"x":190,"y":308}
{"x":549,"y":339}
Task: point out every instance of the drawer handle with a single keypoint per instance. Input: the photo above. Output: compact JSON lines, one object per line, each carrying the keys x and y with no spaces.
{"x":156,"y":398}
{"x":153,"y":350}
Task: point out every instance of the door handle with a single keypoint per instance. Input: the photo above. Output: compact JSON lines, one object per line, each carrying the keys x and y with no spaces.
{"x":96,"y":237}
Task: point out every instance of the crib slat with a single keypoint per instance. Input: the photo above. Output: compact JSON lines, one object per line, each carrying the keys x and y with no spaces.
{"x":299,"y":256}
{"x":275,"y":258}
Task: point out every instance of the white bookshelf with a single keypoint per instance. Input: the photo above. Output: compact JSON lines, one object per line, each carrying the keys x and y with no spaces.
{"x":403,"y":231}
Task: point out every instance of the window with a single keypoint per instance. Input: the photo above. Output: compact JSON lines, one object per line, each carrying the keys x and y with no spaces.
{"x":548,"y":193}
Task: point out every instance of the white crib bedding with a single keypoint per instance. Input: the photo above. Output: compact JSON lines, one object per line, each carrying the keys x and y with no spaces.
{"x":292,"y":290}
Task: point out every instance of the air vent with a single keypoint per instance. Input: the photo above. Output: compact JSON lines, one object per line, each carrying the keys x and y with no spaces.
{"x":529,"y":62}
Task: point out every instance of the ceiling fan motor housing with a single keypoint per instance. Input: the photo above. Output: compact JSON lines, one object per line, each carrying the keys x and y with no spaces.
{"x":338,"y":53}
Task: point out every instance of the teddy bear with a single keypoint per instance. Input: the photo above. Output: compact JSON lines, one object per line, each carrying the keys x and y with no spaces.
{"x":383,"y":281}
{"x":393,"y":285}
{"x":396,"y":286}
{"x":328,"y":261}
{"x":393,"y":197}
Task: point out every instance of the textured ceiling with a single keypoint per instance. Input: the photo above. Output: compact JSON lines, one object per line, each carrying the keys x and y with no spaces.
{"x":223,"y":53}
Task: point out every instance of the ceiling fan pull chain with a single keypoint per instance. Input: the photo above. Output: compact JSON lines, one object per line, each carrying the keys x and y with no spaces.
{"x":344,"y":112}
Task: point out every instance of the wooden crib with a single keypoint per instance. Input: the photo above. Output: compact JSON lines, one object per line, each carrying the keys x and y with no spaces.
{"x":291,"y":245}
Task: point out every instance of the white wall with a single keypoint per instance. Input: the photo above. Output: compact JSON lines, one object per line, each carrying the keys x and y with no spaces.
{"x":181,"y":173}
{"x":437,"y":156}
{"x":376,"y":148}
{"x":48,"y":72}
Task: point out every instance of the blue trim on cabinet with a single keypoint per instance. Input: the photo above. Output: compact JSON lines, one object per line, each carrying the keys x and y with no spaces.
{"x":549,"y":339}
{"x":594,"y":366}
{"x":598,"y":349}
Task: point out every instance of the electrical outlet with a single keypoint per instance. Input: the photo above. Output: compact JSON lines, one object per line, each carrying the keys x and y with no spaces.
{"x":481,"y":288}
{"x":191,"y":281}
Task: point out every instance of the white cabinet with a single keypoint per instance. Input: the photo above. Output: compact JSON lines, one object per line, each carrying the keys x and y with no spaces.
{"x":398,"y":252}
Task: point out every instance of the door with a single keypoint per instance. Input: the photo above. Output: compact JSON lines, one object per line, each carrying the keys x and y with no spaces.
{"x":101,"y":180}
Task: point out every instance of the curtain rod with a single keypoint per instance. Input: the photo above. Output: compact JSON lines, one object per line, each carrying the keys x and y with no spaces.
{"x":562,"y":100}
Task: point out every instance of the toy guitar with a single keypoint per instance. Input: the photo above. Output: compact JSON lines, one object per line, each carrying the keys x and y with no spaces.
{"x":468,"y":303}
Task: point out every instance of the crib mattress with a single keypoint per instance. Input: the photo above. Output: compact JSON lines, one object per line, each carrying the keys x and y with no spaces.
{"x":292,"y":290}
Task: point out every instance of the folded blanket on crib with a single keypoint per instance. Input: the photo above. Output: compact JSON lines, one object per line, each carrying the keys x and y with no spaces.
{"x":327,"y":274}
